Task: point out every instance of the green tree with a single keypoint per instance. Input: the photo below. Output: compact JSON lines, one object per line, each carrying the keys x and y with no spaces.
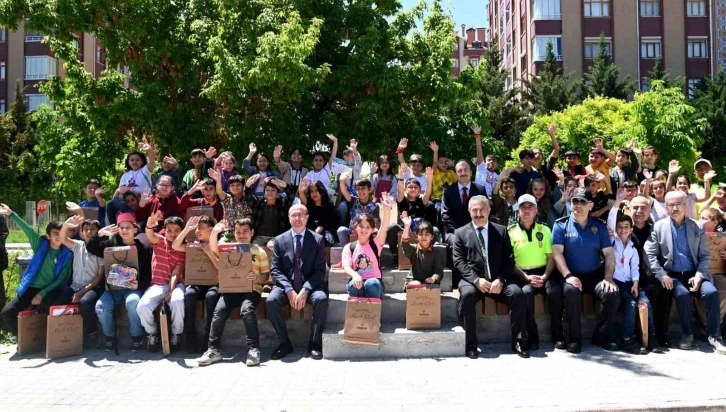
{"x":603,"y":77}
{"x":709,"y":100}
{"x":658,"y":72}
{"x":551,"y":90}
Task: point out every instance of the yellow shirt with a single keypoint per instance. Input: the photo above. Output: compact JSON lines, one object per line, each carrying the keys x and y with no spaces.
{"x":531,"y":253}
{"x":604,"y":168}
{"x":441,"y":180}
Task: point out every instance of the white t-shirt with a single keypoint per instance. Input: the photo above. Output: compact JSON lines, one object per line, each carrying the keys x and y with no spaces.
{"x":421,"y":180}
{"x":486,"y":178}
{"x":85,"y":265}
{"x":658,"y":210}
{"x":137,"y":180}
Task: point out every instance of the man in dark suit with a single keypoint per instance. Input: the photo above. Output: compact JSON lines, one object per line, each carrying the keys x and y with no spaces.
{"x":298,"y":267}
{"x":456,"y":199}
{"x":483,"y":255}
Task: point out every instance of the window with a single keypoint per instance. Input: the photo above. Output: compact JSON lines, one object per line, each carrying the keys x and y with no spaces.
{"x":697,"y":48}
{"x":76,"y":43}
{"x":692,"y":84}
{"x":539,"y":47}
{"x":454,"y":64}
{"x":644,"y":84}
{"x":99,"y":54}
{"x":3,"y":35}
{"x":546,"y":10}
{"x":35,"y":100}
{"x":40,"y":67}
{"x":474,"y":61}
{"x":33,"y":36}
{"x":592,"y":47}
{"x":649,"y":8}
{"x":596,"y":8}
{"x":2,"y":70}
{"x":2,"y":106}
{"x":696,"y":8}
{"x":650,"y":49}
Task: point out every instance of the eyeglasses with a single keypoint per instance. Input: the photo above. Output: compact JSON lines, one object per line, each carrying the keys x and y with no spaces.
{"x":579,"y":202}
{"x":298,"y":215}
{"x":674,"y":205}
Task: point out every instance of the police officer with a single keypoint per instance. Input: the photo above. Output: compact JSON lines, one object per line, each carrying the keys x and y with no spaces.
{"x":584,"y":255}
{"x":535,"y":270}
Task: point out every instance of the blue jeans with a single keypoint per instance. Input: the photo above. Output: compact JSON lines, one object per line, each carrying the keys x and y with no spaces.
{"x":372,"y":288}
{"x":106,"y":305}
{"x":344,"y":235}
{"x":684,"y":306}
{"x":342,"y":211}
{"x":630,"y":309}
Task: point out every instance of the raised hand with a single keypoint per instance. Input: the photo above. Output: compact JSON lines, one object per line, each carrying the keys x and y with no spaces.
{"x":100,"y":191}
{"x":598,"y":143}
{"x":429,"y":174}
{"x":210,"y":152}
{"x":145,"y":147}
{"x":373,"y":167}
{"x":332,"y":137}
{"x":253,"y":148}
{"x":709,"y":175}
{"x":552,"y":130}
{"x":193,"y":222}
{"x":629,"y":146}
{"x":568,"y":193}
{"x":154,"y":219}
{"x":353,"y":145}
{"x":476,"y":129}
{"x":406,"y":219}
{"x":403,"y":144}
{"x":304,"y":183}
{"x":560,"y":174}
{"x":277,"y":152}
{"x":74,"y":221}
{"x":252,"y":180}
{"x":434,"y":147}
{"x":214,"y":174}
{"x":220,"y":226}
{"x":108,"y":231}
{"x":72,"y":207}
{"x":674,"y":167}
{"x":647,"y":174}
{"x":620,"y":195}
{"x":599,"y":177}
{"x":402,"y":171}
{"x":346,"y":175}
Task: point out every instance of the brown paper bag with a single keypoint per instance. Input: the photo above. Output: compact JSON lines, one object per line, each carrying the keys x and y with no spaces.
{"x":235,"y":262}
{"x":198,"y":267}
{"x":643,"y":323}
{"x":716,"y":244}
{"x":423,"y":307}
{"x":404,"y":263}
{"x":362,"y":321}
{"x":64,"y":332}
{"x":31,"y":331}
{"x":197,"y":211}
{"x":164,"y":329}
{"x":91,"y":213}
{"x":122,"y":255}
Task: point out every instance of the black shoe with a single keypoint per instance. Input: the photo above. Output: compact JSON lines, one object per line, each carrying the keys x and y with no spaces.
{"x":520,"y":349}
{"x":663,"y":342}
{"x":191,"y":342}
{"x":137,"y":343}
{"x":110,"y":344}
{"x":283,"y":350}
{"x":561,"y":345}
{"x":315,"y":351}
{"x":154,"y":342}
{"x":602,"y":341}
{"x":472,"y":352}
{"x":574,"y":347}
{"x":631,"y":346}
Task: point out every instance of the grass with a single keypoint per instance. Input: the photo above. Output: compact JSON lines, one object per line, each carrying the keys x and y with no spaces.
{"x":11,"y":283}
{"x":16,"y":236}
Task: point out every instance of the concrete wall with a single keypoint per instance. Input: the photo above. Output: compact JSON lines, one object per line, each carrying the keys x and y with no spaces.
{"x":674,"y":37}
{"x":572,"y":46}
{"x":16,"y":60}
{"x":625,"y":38}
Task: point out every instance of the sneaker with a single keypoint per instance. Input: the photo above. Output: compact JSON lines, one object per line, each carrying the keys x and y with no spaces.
{"x":253,"y":357}
{"x":210,"y":356}
{"x":686,"y":342}
{"x":715,"y":342}
{"x":630,"y":345}
{"x":137,"y":343}
{"x":14,"y":340}
{"x":175,"y":342}
{"x":110,"y":344}
{"x":154,"y":342}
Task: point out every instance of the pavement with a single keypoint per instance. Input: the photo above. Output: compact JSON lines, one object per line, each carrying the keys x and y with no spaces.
{"x":499,"y":380}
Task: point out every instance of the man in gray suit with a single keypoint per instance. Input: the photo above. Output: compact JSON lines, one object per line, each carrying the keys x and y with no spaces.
{"x":678,"y":255}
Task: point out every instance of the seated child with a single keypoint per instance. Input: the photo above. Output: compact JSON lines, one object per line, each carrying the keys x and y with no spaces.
{"x":426,"y":265}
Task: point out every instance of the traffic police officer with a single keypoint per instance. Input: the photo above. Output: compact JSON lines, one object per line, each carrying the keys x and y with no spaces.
{"x":535,"y":270}
{"x":579,"y":242}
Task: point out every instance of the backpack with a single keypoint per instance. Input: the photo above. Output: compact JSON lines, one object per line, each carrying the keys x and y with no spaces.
{"x":374,"y":248}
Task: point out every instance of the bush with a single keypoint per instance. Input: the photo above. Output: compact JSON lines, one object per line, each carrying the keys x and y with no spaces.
{"x":11,"y":283}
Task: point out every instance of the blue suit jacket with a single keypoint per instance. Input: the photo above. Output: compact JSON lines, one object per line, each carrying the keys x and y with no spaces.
{"x":313,"y":260}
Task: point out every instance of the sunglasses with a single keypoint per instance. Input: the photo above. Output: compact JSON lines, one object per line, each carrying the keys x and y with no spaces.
{"x":579,"y":202}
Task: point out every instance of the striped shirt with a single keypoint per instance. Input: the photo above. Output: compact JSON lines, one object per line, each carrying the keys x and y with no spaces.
{"x":164,"y":260}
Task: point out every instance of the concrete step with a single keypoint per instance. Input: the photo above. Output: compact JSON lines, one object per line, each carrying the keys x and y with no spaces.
{"x":393,"y":309}
{"x":396,"y":341}
{"x":393,"y":279}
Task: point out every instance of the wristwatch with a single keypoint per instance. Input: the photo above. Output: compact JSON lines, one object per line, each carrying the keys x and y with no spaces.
{"x":567,"y":276}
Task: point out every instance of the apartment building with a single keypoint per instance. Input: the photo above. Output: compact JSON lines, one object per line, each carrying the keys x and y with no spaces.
{"x":469,"y":48}
{"x":25,"y":58}
{"x":689,"y":36}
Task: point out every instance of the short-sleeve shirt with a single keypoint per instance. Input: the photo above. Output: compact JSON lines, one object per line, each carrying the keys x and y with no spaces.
{"x":441,"y":180}
{"x":164,"y":260}
{"x":531,"y":246}
{"x":137,"y":180}
{"x":421,"y":180}
{"x":363,"y":260}
{"x":582,"y":245}
{"x":604,"y":168}
{"x":85,"y":266}
{"x":415,"y":209}
{"x":486,"y":178}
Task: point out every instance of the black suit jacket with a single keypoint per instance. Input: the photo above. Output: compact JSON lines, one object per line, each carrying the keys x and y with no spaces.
{"x":313,"y":260}
{"x":453,"y":213}
{"x":468,"y":258}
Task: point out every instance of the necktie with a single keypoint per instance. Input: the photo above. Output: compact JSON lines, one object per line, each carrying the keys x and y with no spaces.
{"x":482,"y":244}
{"x":297,"y":281}
{"x":464,"y":196}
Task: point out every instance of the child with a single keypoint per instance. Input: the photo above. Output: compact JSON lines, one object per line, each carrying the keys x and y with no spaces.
{"x":650,"y":157}
{"x":169,"y":167}
{"x":443,"y":176}
{"x":122,"y":234}
{"x":361,"y":204}
{"x":234,"y":204}
{"x":626,"y":167}
{"x":321,"y":212}
{"x":361,"y":260}
{"x":86,"y":287}
{"x":486,"y":169}
{"x":574,"y":168}
{"x":426,"y":266}
{"x":202,"y":161}
{"x":601,"y":203}
{"x":546,"y":168}
{"x":94,"y":198}
{"x":352,"y":163}
{"x":45,"y":277}
{"x":627,"y":277}
{"x":202,"y":227}
{"x":270,"y":214}
{"x":383,"y":180}
{"x":262,"y":170}
{"x":226,"y":166}
{"x":292,"y":172}
{"x":324,"y":168}
{"x":410,"y":201}
{"x":167,"y":267}
{"x":415,"y":171}
{"x":247,"y":302}
{"x":137,"y":176}
{"x":683,"y":184}
{"x":600,"y":162}
{"x":656,"y":191}
{"x":208,"y":188}
{"x":505,"y":201}
{"x":541,"y":192}
{"x":165,"y":200}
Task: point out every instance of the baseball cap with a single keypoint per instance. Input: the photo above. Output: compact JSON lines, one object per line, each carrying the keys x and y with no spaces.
{"x":526,"y":199}
{"x":581,"y":193}
{"x":702,"y":160}
{"x":126,"y":217}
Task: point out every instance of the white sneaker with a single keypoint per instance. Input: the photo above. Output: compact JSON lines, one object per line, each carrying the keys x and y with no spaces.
{"x":210,"y":356}
{"x":717,"y":345}
{"x":253,"y":357}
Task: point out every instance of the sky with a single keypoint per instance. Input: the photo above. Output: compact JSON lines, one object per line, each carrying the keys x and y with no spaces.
{"x":473,"y":13}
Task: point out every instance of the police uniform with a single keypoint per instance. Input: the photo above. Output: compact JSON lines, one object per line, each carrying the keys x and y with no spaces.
{"x":582,"y":253}
{"x":531,"y":248}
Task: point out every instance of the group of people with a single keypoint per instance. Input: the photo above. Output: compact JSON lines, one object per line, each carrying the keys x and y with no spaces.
{"x":619,"y":228}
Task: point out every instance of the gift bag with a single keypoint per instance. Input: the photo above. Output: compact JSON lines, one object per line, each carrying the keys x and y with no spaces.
{"x":235,"y":262}
{"x":91,"y":213}
{"x":716,"y":244}
{"x":164,"y":329}
{"x":643,"y":323}
{"x":423,"y":307}
{"x":125,"y":258}
{"x":64,"y":332}
{"x":362,"y":321}
{"x":198,"y":268}
{"x":197,"y":211}
{"x":31,"y":331}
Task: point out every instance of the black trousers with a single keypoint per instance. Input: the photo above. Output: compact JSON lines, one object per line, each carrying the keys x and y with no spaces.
{"x":592,"y":284}
{"x":87,"y":306}
{"x":278,"y":298}
{"x":191,"y":295}
{"x":3,"y":265}
{"x":661,"y":300}
{"x":18,"y":304}
{"x":511,"y":295}
{"x":248,"y":309}
{"x":553,"y":290}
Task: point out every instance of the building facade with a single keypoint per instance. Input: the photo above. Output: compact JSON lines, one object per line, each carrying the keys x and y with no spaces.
{"x":469,"y":48}
{"x":689,"y":36}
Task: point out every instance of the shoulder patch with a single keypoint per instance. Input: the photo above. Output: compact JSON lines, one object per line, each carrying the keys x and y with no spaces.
{"x":562,"y":219}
